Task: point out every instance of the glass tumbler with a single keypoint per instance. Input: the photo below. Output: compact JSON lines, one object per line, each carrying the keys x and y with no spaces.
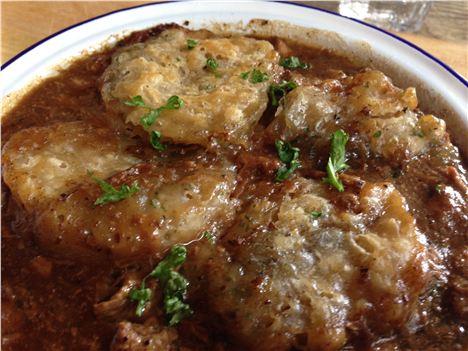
{"x":403,"y":15}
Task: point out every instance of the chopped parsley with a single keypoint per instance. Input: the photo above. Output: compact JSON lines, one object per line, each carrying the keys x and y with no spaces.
{"x":208,"y":235}
{"x":136,"y":101}
{"x":174,"y":287}
{"x":258,"y":76}
{"x":245,"y":75}
{"x":316,"y":214}
{"x":438,"y":188}
{"x":213,"y":65}
{"x":279,"y":90}
{"x":337,"y":161}
{"x":289,"y":156}
{"x":419,"y":133}
{"x":191,"y":43}
{"x":293,"y":62}
{"x":155,"y":140}
{"x":111,"y":194}
{"x":173,"y":103}
{"x":377,"y":134}
{"x":141,"y":296}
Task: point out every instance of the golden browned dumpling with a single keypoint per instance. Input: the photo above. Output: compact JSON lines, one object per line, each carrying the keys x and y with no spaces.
{"x":41,"y":163}
{"x":50,"y":171}
{"x":296,"y":273}
{"x":384,"y":115}
{"x":219,"y":100}
{"x":172,"y":206}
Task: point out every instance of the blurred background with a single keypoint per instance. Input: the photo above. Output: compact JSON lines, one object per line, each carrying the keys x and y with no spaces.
{"x":439,"y":27}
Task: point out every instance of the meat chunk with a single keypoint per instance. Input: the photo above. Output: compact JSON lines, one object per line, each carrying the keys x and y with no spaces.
{"x":138,"y":337}
{"x":383,"y":116}
{"x":41,"y":163}
{"x":218,"y":101}
{"x":305,"y":270}
{"x":173,"y":205}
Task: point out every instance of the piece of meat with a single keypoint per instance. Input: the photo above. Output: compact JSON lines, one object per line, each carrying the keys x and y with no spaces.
{"x":218,"y":103}
{"x":40,"y":163}
{"x":303,"y":269}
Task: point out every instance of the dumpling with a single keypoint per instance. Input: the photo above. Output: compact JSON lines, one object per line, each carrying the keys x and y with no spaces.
{"x":223,"y":102}
{"x":50,"y":172}
{"x":173,"y":206}
{"x":41,"y":163}
{"x":304,"y":270}
{"x":367,"y":104}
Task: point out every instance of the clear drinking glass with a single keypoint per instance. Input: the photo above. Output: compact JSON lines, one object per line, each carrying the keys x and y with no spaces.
{"x":404,"y":15}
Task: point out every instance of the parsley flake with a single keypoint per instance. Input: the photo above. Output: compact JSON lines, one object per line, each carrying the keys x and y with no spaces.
{"x":213,"y":65}
{"x":289,"y":156}
{"x":377,"y":134}
{"x":191,"y":43}
{"x":316,"y":214}
{"x":141,"y":296}
{"x":111,"y":194}
{"x":135,"y":101}
{"x":293,"y":62}
{"x":208,"y":235}
{"x":174,"y":287}
{"x":336,"y":161}
{"x":279,"y":90}
{"x":245,"y":75}
{"x":173,"y":103}
{"x":258,"y":76}
{"x":155,"y":140}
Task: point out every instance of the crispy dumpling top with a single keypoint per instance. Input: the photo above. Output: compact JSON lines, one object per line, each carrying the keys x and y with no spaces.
{"x":40,"y":163}
{"x":385,"y":116}
{"x":304,"y":270}
{"x":219,"y":101}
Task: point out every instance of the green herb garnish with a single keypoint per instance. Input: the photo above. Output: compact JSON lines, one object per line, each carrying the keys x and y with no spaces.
{"x":293,"y":62}
{"x":316,"y":214}
{"x":191,"y":43}
{"x":174,"y":287}
{"x":258,"y":76}
{"x":336,"y":161}
{"x":279,"y":90}
{"x":141,"y":296}
{"x":245,"y":75}
{"x":438,"y":188}
{"x":136,"y":101}
{"x":213,"y":65}
{"x":155,"y":140}
{"x":377,"y":134}
{"x":208,"y":235}
{"x":289,"y":156}
{"x":173,"y":103}
{"x":111,"y":194}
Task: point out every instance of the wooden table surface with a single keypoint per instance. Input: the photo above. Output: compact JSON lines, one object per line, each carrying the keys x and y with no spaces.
{"x":24,"y":23}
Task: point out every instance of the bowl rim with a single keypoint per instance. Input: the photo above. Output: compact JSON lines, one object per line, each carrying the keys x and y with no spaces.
{"x":449,"y":69}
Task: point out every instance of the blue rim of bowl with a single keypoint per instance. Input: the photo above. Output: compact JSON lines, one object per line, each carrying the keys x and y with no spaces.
{"x":425,"y":53}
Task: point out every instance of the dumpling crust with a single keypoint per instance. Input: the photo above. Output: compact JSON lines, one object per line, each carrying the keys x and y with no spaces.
{"x":41,"y":163}
{"x":302,"y":280}
{"x":217,"y":102}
